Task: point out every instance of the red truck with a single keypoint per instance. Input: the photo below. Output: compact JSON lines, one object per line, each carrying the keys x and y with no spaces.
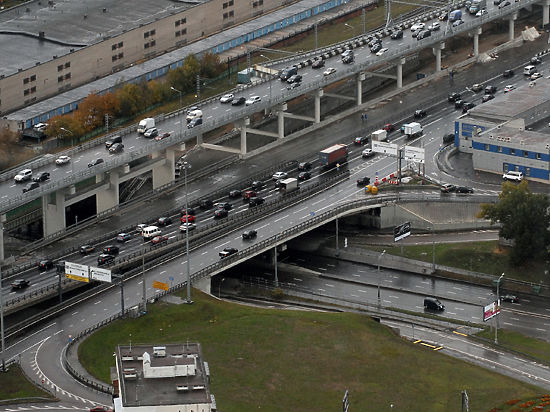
{"x":332,"y":155}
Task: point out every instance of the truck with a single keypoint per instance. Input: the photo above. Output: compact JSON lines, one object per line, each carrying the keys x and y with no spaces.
{"x":477,"y":5}
{"x":145,"y":124}
{"x":289,"y":185}
{"x":455,"y":15}
{"x":413,"y":129}
{"x":333,"y":155}
{"x":379,"y":135}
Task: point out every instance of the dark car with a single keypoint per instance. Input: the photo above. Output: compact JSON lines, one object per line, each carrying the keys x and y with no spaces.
{"x":164,"y":221}
{"x":388,"y":127}
{"x":85,"y":249}
{"x":195,"y":122}
{"x":116,"y":148}
{"x":228,"y":251}
{"x":220,"y":213}
{"x":123,"y":237}
{"x":206,"y":204}
{"x":95,"y":162}
{"x":100,"y":409}
{"x":224,"y":205}
{"x":188,"y":211}
{"x":30,"y":186}
{"x":504,"y":4}
{"x":257,"y":184}
{"x":304,"y":166}
{"x":45,"y":264}
{"x":112,"y":141}
{"x":363,"y":181}
{"x":111,"y":250}
{"x":508,"y":73}
{"x":40,"y":177}
{"x":449,"y":138}
{"x":459,"y":103}
{"x":464,"y":189}
{"x":350,"y":58}
{"x":249,"y":234}
{"x":105,"y":258}
{"x":248,"y":194}
{"x":20,"y":283}
{"x":157,"y":240}
{"x":361,"y":140}
{"x":376,"y":48}
{"x":317,"y":64}
{"x":304,"y":176}
{"x":467,"y":106}
{"x":490,"y":89}
{"x":453,"y":97}
{"x":397,"y":35}
{"x":375,"y":42}
{"x":487,"y":97}
{"x":420,"y":113}
{"x":433,"y":304}
{"x":294,"y":85}
{"x":288,"y":72}
{"x":296,"y":78}
{"x":535,"y":60}
{"x":255,"y":201}
{"x":448,"y":188}
{"x":510,"y":298}
{"x":238,"y":101}
{"x":234,"y":193}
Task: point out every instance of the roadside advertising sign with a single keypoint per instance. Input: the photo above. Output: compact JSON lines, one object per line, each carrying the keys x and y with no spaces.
{"x":491,"y":310}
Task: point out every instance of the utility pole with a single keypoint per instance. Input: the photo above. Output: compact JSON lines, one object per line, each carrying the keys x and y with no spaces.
{"x":198,"y":86}
{"x":498,"y":305}
{"x":143,"y":282}
{"x":364,"y":19}
{"x":316,"y":43}
{"x":189,"y":301}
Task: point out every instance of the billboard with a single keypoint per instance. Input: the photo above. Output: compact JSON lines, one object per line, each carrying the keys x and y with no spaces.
{"x":99,"y":274}
{"x":76,"y":271}
{"x":414,"y":154}
{"x":491,"y":310}
{"x":384,"y":148}
{"x":401,"y":231}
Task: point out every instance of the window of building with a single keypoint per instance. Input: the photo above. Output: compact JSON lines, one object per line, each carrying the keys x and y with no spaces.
{"x":26,"y":92}
{"x":59,"y":79}
{"x":527,"y":171}
{"x":177,"y":23}
{"x":525,"y":153}
{"x":120,"y":55}
{"x":120,"y":44}
{"x":153,"y":32}
{"x":231,"y":2}
{"x":146,"y":34}
{"x":113,"y":58}
{"x":178,"y":33}
{"x":225,"y":16}
{"x":60,"y":67}
{"x":512,"y":152}
{"x":225,"y":5}
{"x":33,"y":77}
{"x":505,"y":167}
{"x":25,"y":80}
{"x":67,"y":76}
{"x":231,"y":13}
{"x":486,"y":147}
{"x":113,"y":47}
{"x":33,"y":89}
{"x":500,"y":149}
{"x":184,"y":20}
{"x":153,"y":43}
{"x":538,"y":156}
{"x":146,"y":45}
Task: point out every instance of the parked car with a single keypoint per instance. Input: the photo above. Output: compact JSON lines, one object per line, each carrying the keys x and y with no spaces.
{"x":30,"y":186}
{"x":239,"y":101}
{"x":85,"y":249}
{"x":350,"y":58}
{"x":62,"y":160}
{"x":363,"y":181}
{"x":317,"y":64}
{"x":111,"y":250}
{"x":152,"y":132}
{"x":396,"y":35}
{"x":504,"y":4}
{"x":510,"y":298}
{"x":304,"y":166}
{"x":279,"y":175}
{"x":228,"y":251}
{"x":255,"y":201}
{"x":381,"y":51}
{"x":184,"y":227}
{"x":459,"y":103}
{"x":23,"y":176}
{"x":40,"y":177}
{"x":95,"y":162}
{"x":187,"y":218}
{"x":449,"y":138}
{"x":220,"y":213}
{"x":45,"y":264}
{"x":367,"y":153}
{"x":513,"y":176}
{"x":329,"y":71}
{"x":458,"y":23}
{"x":20,"y":283}
{"x":448,"y":188}
{"x":535,"y":60}
{"x":304,"y":176}
{"x":536,"y":76}
{"x":112,"y":141}
{"x":123,"y":237}
{"x":117,"y":148}
{"x":157,"y":240}
{"x":249,"y":234}
{"x":253,"y":99}
{"x":227,"y":98}
{"x":434,"y":26}
{"x":105,"y":258}
{"x":420,"y":113}
{"x":464,"y":189}
{"x":164,"y":221}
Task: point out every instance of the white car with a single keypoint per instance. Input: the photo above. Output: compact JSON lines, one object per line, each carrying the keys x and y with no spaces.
{"x":535,"y":76}
{"x":434,"y":26}
{"x":252,"y":100}
{"x":382,"y":51}
{"x":62,"y":160}
{"x":480,"y":13}
{"x":509,"y":88}
{"x":513,"y":175}
{"x":279,"y":175}
{"x":40,"y":127}
{"x":329,"y":71}
{"x":367,"y":153}
{"x":23,"y":175}
{"x":227,"y":98}
{"x":184,"y":227}
{"x":417,"y":26}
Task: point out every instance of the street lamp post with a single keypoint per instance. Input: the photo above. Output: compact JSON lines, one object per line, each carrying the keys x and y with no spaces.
{"x":351,"y":27}
{"x":220,"y":288}
{"x":181,"y":121}
{"x":379,"y":257}
{"x":68,"y":131}
{"x":189,"y":301}
{"x":265,"y":57}
{"x":498,"y":304}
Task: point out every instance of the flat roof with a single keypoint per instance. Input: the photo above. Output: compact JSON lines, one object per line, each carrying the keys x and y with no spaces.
{"x":516,"y":136}
{"x":64,"y":23}
{"x":139,"y":391}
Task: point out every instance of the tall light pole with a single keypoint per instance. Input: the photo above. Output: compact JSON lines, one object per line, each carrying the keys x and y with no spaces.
{"x":181,"y":121}
{"x":189,"y":301}
{"x":68,"y":131}
{"x":351,"y":27}
{"x":498,"y":304}
{"x":265,"y":57}
{"x":220,"y":288}
{"x":379,"y":257}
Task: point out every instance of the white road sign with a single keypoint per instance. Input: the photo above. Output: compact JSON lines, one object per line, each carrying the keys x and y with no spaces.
{"x":102,"y":275}
{"x":76,"y":271}
{"x":385,"y":148}
{"x":414,"y":154}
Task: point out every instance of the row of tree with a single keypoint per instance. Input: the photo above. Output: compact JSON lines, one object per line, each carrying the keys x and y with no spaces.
{"x":130,"y":99}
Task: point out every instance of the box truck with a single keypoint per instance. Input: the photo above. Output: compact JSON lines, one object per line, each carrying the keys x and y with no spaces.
{"x":332,"y":155}
{"x":413,"y":130}
{"x":145,"y":124}
{"x":379,"y":135}
{"x":288,"y":185}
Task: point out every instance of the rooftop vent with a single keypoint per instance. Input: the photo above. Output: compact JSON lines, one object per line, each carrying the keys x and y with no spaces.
{"x":159,"y":351}
{"x":182,"y":388}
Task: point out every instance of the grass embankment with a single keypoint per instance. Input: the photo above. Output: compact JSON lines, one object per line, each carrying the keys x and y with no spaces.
{"x":536,"y":348}
{"x":280,"y":360}
{"x":14,"y":385}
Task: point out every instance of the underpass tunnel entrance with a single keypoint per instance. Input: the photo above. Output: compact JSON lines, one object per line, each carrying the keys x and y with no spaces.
{"x":80,"y":211}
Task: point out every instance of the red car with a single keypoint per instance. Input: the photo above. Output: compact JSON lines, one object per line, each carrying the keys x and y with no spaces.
{"x":187,"y":218}
{"x":100,"y":409}
{"x":389,"y":127}
{"x":159,"y":239}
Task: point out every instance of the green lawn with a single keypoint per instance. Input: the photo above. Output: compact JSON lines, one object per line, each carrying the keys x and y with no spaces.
{"x":536,"y":348}
{"x":14,"y":385}
{"x":279,"y":360}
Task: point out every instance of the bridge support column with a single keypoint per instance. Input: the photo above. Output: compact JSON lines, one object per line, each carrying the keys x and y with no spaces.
{"x":166,"y":172}
{"x":400,"y":64}
{"x":2,"y":221}
{"x":359,"y":78}
{"x":53,"y":209}
{"x":204,"y":284}
{"x":318,"y":95}
{"x":511,"y":26}
{"x":437,"y":52}
{"x":199,"y":139}
{"x":108,"y":198}
{"x":476,"y":34}
{"x":281,"y":120}
{"x":244,"y":122}
{"x":545,"y":12}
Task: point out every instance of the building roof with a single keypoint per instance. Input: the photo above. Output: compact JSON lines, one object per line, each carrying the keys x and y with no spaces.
{"x":513,"y":137}
{"x":71,"y":24}
{"x":148,"y":378}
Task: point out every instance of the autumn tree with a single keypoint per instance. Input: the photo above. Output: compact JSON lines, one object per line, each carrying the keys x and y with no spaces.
{"x":66,"y":127}
{"x":524,"y":218}
{"x":131,"y":100}
{"x":211,"y":65}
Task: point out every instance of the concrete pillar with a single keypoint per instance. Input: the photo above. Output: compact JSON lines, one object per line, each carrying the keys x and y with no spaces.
{"x":400,"y":64}
{"x":53,"y":212}
{"x":2,"y":221}
{"x":437,"y":52}
{"x":476,"y":34}
{"x":511,"y":26}
{"x":317,"y":98}
{"x":545,"y":12}
{"x":199,"y":139}
{"x":244,"y":122}
{"x":359,"y":79}
{"x":281,"y":120}
{"x":204,"y":284}
{"x":108,"y":198}
{"x":166,"y":172}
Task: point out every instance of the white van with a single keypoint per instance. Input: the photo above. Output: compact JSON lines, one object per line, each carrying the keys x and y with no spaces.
{"x":529,"y":70}
{"x":150,"y":232}
{"x":194,"y":114}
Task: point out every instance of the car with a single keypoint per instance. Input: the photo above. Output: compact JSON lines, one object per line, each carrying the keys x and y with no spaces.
{"x":487,"y":97}
{"x":23,"y":176}
{"x":157,"y":240}
{"x":105,"y":258}
{"x":497,"y":2}
{"x":443,"y":16}
{"x":361,"y":140}
{"x":381,"y":51}
{"x":422,"y":34}
{"x":184,"y":227}
{"x":85,"y":249}
{"x":477,"y":87}
{"x":458,"y":23}
{"x":350,"y":58}
{"x":434,"y":26}
{"x":162,"y":136}
{"x":449,"y":138}
{"x":228,"y":251}
{"x":195,"y":122}
{"x":433,"y":304}
{"x":317,"y":64}
{"x":453,"y":97}
{"x":304,"y":166}
{"x":117,"y":148}
{"x":388,"y":127}
{"x":481,"y":12}
{"x":253,"y":99}
{"x":239,"y":101}
{"x":95,"y":162}
{"x":375,"y":42}
{"x":509,"y":88}
{"x":227,"y":98}
{"x":464,"y":189}
{"x":417,"y":26}
{"x":248,"y":194}
{"x":367,"y":153}
{"x":62,"y":160}
{"x":513,"y":176}
{"x":346,"y":53}
{"x":45,"y":264}
{"x":508,"y":73}
{"x":112,"y":141}
{"x":187,"y":218}
{"x":30,"y":186}
{"x":279,"y":175}
{"x":295,"y":78}
{"x":376,"y":48}
{"x":40,"y":127}
{"x":224,"y":205}
{"x":234,"y":193}
{"x":490,"y":89}
{"x":164,"y":221}
{"x":509,"y":298}
{"x":535,"y":60}
{"x":140,"y":227}
{"x":448,"y":188}
{"x":396,"y":35}
{"x":40,"y":177}
{"x":536,"y":76}
{"x":504,"y":4}
{"x":255,"y":201}
{"x":467,"y":106}
{"x":420,"y":113}
{"x":188,"y":211}
{"x":249,"y":234}
{"x":152,"y":132}
{"x":257,"y":184}
{"x":220,"y":213}
{"x":459,"y":103}
{"x":20,"y":283}
{"x":304,"y":176}
{"x":329,"y":71}
{"x":111,"y":250}
{"x":123,"y":237}
{"x":294,"y":85}
{"x":100,"y":409}
{"x":363,"y":181}
{"x":205,"y":204}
